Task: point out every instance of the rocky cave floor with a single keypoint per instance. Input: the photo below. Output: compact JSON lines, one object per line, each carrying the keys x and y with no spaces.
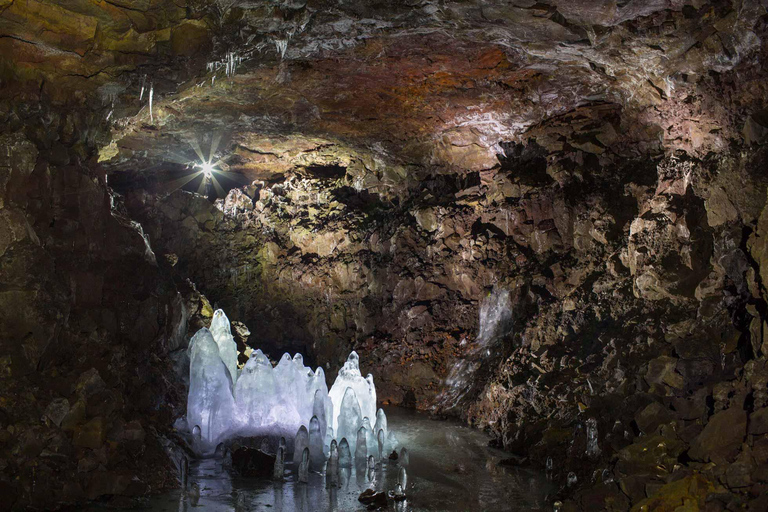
{"x":380,"y":168}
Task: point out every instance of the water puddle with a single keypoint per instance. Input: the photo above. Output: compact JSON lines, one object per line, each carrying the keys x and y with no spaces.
{"x":451,"y":468}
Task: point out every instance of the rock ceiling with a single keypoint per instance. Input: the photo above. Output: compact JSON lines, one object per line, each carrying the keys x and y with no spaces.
{"x":427,"y":84}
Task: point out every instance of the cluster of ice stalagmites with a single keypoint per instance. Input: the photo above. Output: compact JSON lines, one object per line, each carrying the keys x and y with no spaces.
{"x":288,"y":400}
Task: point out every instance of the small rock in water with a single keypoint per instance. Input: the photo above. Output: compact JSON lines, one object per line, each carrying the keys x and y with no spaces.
{"x":373,"y":499}
{"x":398,"y":494}
{"x":393,"y":455}
{"x":572,"y":479}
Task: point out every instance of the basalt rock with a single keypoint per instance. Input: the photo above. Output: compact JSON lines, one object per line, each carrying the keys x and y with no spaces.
{"x":379,"y":169}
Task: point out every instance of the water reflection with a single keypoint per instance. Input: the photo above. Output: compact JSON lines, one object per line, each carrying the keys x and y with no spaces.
{"x":451,"y":468}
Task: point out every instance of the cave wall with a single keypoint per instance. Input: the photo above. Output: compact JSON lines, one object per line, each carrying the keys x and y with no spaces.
{"x":634,"y":255}
{"x":87,"y":321}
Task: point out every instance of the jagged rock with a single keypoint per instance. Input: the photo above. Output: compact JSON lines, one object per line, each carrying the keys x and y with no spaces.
{"x":758,"y":422}
{"x":652,"y":416}
{"x":721,"y":438}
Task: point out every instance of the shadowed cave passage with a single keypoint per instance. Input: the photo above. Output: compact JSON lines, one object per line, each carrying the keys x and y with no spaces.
{"x":539,"y":225}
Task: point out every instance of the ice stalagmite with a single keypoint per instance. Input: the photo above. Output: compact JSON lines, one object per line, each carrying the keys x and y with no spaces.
{"x":256,"y":391}
{"x":402,"y":478}
{"x":316,"y":440}
{"x":210,"y":404}
{"x":332,"y":469}
{"x":350,"y":377}
{"x":380,"y":438}
{"x":222,"y":334}
{"x":327,"y":445}
{"x":381,"y":422}
{"x":288,"y":381}
{"x":361,"y":450}
{"x":593,"y":449}
{"x":304,"y":466}
{"x":349,"y":420}
{"x":370,"y":437}
{"x":279,"y":469}
{"x":345,"y":455}
{"x":267,"y":403}
{"x":404,"y":459}
{"x":302,"y":441}
{"x":319,"y":408}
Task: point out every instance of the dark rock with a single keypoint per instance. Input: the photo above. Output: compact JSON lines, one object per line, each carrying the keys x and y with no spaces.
{"x":252,"y":462}
{"x":721,"y":438}
{"x":758,"y":421}
{"x":653,"y":415}
{"x":373,"y":499}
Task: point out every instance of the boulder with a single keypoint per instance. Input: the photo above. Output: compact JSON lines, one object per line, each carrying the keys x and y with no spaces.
{"x":721,"y":438}
{"x":650,"y":417}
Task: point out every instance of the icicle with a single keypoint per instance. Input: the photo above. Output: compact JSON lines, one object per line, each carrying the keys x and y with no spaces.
{"x":282,"y":46}
{"x":151,"y":94}
{"x":593,"y":450}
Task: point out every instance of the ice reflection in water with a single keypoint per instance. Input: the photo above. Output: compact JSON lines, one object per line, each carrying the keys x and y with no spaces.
{"x":451,"y":469}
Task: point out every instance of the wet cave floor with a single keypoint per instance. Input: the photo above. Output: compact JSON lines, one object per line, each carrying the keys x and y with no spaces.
{"x":451,"y":469}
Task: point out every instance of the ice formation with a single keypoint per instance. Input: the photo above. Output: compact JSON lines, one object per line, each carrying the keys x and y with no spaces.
{"x":304,"y":466}
{"x":279,"y":469}
{"x":361,"y":450}
{"x":332,"y":470}
{"x":350,"y":378}
{"x":301,"y":442}
{"x":345,"y":455}
{"x":288,"y":400}
{"x":227,"y":347}
{"x":495,"y":323}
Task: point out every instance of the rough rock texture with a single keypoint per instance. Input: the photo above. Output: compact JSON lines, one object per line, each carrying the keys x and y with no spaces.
{"x":380,"y":167}
{"x":87,"y":321}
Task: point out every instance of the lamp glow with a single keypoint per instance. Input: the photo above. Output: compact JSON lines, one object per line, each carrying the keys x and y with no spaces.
{"x":207,"y":169}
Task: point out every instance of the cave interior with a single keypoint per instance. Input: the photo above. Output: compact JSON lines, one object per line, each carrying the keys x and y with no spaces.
{"x":544,"y":219}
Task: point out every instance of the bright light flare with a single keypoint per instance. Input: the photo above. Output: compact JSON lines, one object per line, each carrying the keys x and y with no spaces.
{"x":207,"y":169}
